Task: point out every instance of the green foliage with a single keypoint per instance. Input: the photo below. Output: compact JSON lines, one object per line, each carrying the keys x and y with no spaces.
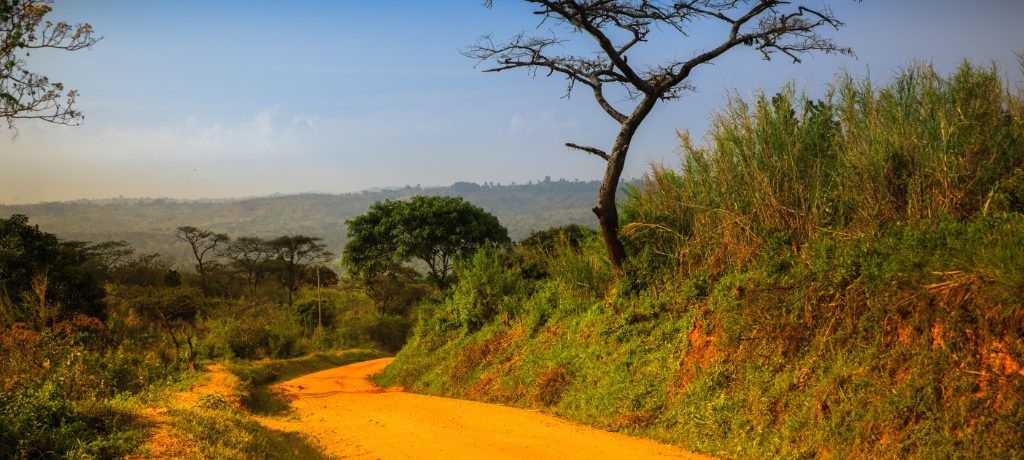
{"x":434,"y":230}
{"x":537,"y":249}
{"x":245,"y":332}
{"x":571,"y":236}
{"x":42,"y":423}
{"x":860,"y":160}
{"x":489,"y":286}
{"x":225,"y":433}
{"x":397,"y":291}
{"x":42,"y":278}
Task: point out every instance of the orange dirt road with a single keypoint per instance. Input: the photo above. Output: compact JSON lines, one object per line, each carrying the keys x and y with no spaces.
{"x":351,"y":418}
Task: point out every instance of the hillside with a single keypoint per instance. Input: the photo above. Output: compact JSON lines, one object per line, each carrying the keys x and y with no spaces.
{"x":149,"y":224}
{"x":837,"y":278}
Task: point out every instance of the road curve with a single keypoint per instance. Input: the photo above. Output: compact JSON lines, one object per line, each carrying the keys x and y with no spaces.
{"x":351,"y":418}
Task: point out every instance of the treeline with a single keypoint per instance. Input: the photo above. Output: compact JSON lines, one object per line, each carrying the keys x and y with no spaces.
{"x":149,"y":224}
{"x":836,"y":277}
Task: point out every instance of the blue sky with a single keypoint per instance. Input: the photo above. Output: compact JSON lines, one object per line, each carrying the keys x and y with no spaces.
{"x":224,"y":99}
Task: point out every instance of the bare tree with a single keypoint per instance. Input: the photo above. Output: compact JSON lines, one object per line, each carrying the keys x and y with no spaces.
{"x":620,"y":27}
{"x":25,"y":94}
{"x":202,"y":242}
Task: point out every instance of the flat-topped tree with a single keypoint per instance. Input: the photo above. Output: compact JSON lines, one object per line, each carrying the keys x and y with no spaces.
{"x":201,"y":241}
{"x":297,"y":252}
{"x":618,"y":28}
{"x":249,"y":255}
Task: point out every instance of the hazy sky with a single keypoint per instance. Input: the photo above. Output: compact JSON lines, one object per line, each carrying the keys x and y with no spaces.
{"x":215,"y":99}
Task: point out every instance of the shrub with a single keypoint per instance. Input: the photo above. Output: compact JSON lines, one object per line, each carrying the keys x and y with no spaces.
{"x":488,"y":286}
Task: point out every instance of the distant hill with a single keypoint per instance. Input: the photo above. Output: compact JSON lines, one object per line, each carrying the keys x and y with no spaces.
{"x":149,"y":224}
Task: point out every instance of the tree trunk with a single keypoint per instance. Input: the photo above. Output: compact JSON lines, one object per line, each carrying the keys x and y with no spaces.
{"x":202,"y":278}
{"x":606,"y":211}
{"x":319,"y":311}
{"x":191,"y":353}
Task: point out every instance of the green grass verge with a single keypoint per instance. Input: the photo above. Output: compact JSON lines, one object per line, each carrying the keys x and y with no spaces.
{"x":903,"y":344}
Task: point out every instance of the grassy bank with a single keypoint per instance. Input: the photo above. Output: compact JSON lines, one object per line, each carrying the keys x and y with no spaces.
{"x":837,"y":277}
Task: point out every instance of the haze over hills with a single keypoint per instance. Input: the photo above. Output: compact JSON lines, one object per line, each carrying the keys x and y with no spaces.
{"x":149,"y":224}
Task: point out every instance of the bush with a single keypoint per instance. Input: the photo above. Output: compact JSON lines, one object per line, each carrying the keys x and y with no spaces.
{"x":42,"y":423}
{"x":488,"y":286}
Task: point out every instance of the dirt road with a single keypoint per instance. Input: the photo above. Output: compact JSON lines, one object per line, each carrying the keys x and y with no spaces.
{"x":350,"y":417}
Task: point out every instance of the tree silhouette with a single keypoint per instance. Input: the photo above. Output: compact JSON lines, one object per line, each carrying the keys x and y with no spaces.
{"x":249,"y":255}
{"x":297,"y":252}
{"x":25,"y":94}
{"x":201,"y":241}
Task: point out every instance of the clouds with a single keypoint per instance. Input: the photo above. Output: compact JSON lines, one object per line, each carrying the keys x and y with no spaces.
{"x":265,"y":132}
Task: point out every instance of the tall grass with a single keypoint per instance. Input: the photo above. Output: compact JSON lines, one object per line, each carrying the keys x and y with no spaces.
{"x":837,"y":277}
{"x":857,"y":161}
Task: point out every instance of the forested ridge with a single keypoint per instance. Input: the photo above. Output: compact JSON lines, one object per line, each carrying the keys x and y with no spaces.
{"x":148,"y":223}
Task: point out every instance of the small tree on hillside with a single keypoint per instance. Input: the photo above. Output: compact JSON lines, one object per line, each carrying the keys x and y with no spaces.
{"x":618,"y":28}
{"x":175,"y":311}
{"x":435,"y":230}
{"x":249,"y":255}
{"x":201,"y":242}
{"x":296,"y":252}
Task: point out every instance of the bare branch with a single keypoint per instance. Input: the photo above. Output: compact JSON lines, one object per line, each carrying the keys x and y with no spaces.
{"x":592,"y":150}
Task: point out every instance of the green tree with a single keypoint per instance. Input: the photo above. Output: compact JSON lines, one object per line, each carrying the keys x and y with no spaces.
{"x":42,"y":278}
{"x":25,"y":94}
{"x":435,"y":230}
{"x":175,"y":310}
{"x":618,"y":29}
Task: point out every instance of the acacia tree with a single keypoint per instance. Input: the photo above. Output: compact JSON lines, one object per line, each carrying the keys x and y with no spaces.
{"x":25,"y":94}
{"x":249,"y":255}
{"x":201,"y":241}
{"x":297,"y":252}
{"x":620,"y":27}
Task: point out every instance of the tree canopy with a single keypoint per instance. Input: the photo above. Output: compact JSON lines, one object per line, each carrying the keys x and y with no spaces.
{"x":433,"y":229}
{"x":296,"y":252}
{"x":25,"y":94}
{"x":47,"y":275}
{"x":202,"y":241}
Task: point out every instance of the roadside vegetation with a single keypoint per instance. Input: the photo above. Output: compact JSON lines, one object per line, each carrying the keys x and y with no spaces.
{"x":836,"y":277}
{"x":95,"y":339}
